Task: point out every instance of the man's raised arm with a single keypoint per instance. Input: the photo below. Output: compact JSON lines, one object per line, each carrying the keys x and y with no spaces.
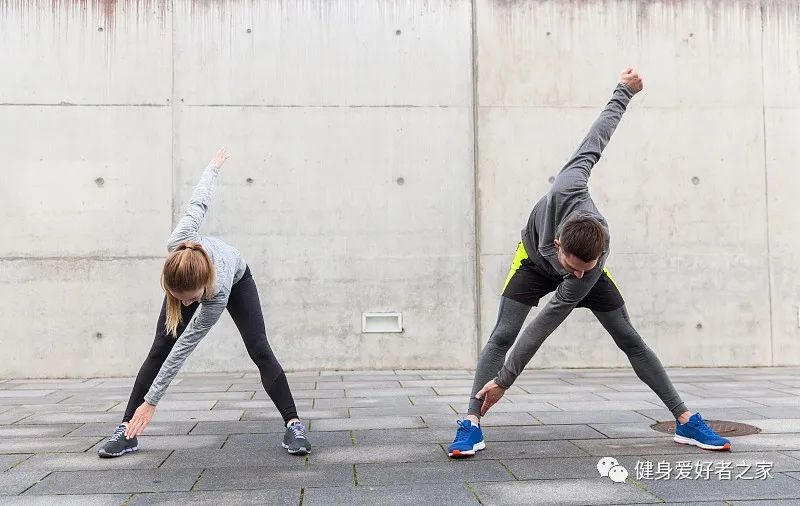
{"x":578,"y":168}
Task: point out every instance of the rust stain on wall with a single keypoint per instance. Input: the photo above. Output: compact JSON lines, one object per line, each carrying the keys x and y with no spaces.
{"x":102,"y":12}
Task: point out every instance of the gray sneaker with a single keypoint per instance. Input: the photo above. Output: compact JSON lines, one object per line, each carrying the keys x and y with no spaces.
{"x":295,"y":440}
{"x":118,"y":444}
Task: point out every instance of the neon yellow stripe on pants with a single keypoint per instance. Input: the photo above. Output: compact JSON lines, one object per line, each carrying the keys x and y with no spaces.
{"x":520,"y":255}
{"x":608,"y":273}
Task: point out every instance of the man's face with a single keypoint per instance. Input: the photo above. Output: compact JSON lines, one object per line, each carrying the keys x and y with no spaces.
{"x":573,"y":264}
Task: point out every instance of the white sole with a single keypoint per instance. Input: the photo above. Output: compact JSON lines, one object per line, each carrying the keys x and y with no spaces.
{"x":481,"y":445}
{"x":689,"y":441}
{"x":302,"y":451}
{"x":123,"y":452}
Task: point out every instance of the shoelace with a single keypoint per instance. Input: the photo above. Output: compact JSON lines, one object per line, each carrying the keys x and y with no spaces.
{"x":463,"y":431}
{"x":298,"y":430}
{"x":119,"y":431}
{"x":704,"y":428}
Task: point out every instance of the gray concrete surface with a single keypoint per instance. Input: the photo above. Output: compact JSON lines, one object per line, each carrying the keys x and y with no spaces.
{"x":328,"y":106}
{"x":531,"y":456}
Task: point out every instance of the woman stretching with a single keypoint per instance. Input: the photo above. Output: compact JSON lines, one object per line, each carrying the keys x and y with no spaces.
{"x":205,"y":273}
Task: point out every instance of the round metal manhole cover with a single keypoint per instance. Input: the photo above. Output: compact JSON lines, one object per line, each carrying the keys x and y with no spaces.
{"x":721,"y":427}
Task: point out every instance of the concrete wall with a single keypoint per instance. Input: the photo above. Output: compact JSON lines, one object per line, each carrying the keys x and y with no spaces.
{"x":385,"y":156}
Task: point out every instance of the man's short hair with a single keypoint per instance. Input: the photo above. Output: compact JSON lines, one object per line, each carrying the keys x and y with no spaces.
{"x":584,"y":237}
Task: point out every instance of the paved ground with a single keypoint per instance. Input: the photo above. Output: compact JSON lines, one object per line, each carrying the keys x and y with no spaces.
{"x":380,"y":437}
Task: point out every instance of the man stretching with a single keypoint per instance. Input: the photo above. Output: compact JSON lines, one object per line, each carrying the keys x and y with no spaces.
{"x":564,"y":249}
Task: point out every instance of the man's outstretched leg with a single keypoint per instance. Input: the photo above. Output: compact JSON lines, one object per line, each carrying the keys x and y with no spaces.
{"x":690,"y":429}
{"x":511,"y":316}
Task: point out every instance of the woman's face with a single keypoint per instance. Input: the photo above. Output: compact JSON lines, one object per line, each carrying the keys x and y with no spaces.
{"x":188,"y":298}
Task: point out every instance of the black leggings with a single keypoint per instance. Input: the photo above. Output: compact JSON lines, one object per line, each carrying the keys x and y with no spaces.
{"x":245,"y":309}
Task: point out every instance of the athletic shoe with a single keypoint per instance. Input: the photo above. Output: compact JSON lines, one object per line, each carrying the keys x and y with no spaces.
{"x":118,"y":444}
{"x":469,"y":439}
{"x":696,"y":432}
{"x":295,"y":441}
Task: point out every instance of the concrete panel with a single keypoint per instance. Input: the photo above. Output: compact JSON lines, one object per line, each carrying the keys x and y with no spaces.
{"x":55,"y":201}
{"x":54,"y":309}
{"x":677,"y":242}
{"x":783,"y":183}
{"x":85,"y":52}
{"x":553,"y":52}
{"x":781,"y":54}
{"x":336,"y":52}
{"x":330,"y":232}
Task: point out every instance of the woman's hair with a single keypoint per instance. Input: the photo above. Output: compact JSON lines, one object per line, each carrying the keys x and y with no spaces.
{"x":186,"y":269}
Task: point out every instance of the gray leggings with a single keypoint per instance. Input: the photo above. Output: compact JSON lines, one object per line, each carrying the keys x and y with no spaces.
{"x":509,"y":322}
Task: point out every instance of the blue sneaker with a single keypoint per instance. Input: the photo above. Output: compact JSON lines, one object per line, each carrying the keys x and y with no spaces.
{"x":469,"y":439}
{"x":696,"y":432}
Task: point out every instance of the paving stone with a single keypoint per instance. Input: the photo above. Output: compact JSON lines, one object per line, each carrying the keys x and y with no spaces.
{"x":66,"y":500}
{"x":548,"y":389}
{"x":388,"y":436}
{"x":464,"y":392}
{"x":728,"y":402}
{"x":307,"y":414}
{"x":579,"y":492}
{"x":155,"y":428}
{"x":539,"y":433}
{"x":89,"y":461}
{"x":15,"y":482}
{"x":269,"y":455}
{"x":116,"y":481}
{"x":768,"y":502}
{"x":793,"y":475}
{"x":425,"y":409}
{"x":363,"y":402}
{"x":389,"y":392}
{"x":767,"y":425}
{"x":361,"y":385}
{"x":634,"y":446}
{"x":54,"y":430}
{"x":182,"y":442}
{"x":308,"y":394}
{"x":630,"y":405}
{"x":457,"y":402}
{"x":456,"y":493}
{"x":491,"y":420}
{"x":776,"y":412}
{"x":212,"y":396}
{"x":24,"y":393}
{"x":731,"y":414}
{"x":375,"y":422}
{"x":523,"y":407}
{"x":376,"y":453}
{"x":766,"y":442}
{"x":76,"y":417}
{"x":584,"y":417}
{"x":529,"y":450}
{"x":564,"y":396}
{"x":238,"y":497}
{"x":239,"y":427}
{"x":46,"y":444}
{"x":623,"y":430}
{"x":788,"y":400}
{"x":12,"y":416}
{"x":7,"y":461}
{"x":275,"y":477}
{"x":176,"y":405}
{"x":780,"y":487}
{"x":439,"y":383}
{"x":256,"y":442}
{"x":448,"y":472}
